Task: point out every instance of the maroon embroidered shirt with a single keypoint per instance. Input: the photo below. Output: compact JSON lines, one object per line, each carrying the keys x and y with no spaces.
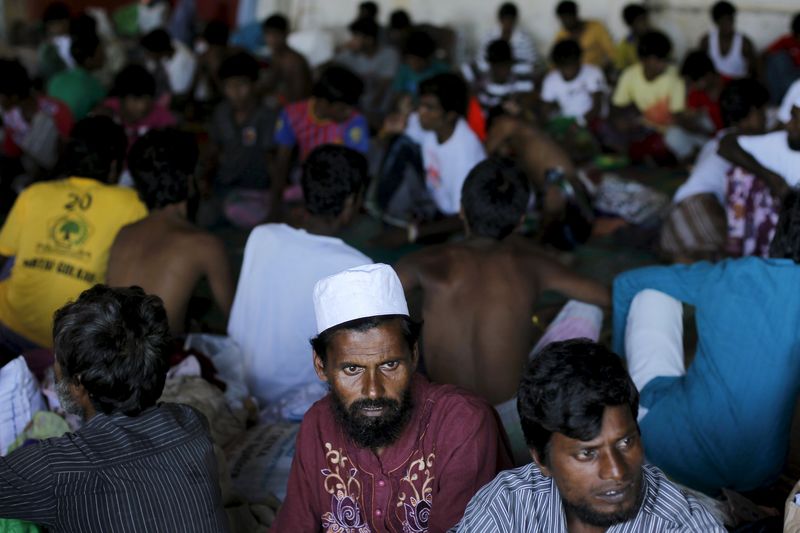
{"x":451,"y":448}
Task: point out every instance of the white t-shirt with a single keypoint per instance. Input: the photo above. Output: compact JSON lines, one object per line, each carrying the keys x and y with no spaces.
{"x":180,"y":68}
{"x":272,"y":318}
{"x":709,"y":175}
{"x":773,"y":152}
{"x":574,"y":97}
{"x":790,"y":99}
{"x":446,"y":164}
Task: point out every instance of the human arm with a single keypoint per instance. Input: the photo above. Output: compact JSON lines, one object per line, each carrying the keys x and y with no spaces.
{"x":470,"y":452}
{"x":750,"y":55}
{"x":409,"y":269}
{"x":555,"y":277}
{"x":218,"y":273}
{"x":682,"y":282}
{"x":730,"y":149}
{"x":297,"y":79}
{"x":27,"y":486}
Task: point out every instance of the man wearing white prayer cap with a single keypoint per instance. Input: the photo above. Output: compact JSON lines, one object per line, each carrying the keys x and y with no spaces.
{"x":385,"y":450}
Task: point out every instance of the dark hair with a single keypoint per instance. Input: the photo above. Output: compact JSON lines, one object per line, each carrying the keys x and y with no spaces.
{"x":450,"y":89}
{"x":722,"y":9}
{"x":566,"y":388}
{"x":786,"y":242}
{"x":399,"y":20}
{"x":216,"y":33}
{"x":339,"y":84}
{"x":134,"y":80}
{"x":419,"y":44}
{"x":331,"y":174}
{"x":796,"y":24}
{"x":115,"y":343}
{"x":566,"y":52}
{"x":508,"y":10}
{"x":697,"y":65}
{"x":276,"y":22}
{"x":494,"y":196}
{"x":654,"y":44}
{"x":81,"y":25}
{"x":409,"y":328}
{"x":239,"y":65}
{"x":157,"y":41}
{"x":631,"y":12}
{"x":369,"y":9}
{"x":567,"y":7}
{"x":95,"y":146}
{"x":84,"y":47}
{"x":14,"y":79}
{"x":740,"y":97}
{"x":365,"y":26}
{"x":162,"y":162}
{"x":56,"y":11}
{"x":499,"y":51}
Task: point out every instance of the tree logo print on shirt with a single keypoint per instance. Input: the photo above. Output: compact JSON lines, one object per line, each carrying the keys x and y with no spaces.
{"x":345,"y":490}
{"x":417,"y":504}
{"x":69,"y":230}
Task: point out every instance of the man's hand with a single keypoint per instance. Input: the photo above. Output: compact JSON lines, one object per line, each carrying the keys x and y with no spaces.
{"x":391,"y":238}
{"x":394,"y":124}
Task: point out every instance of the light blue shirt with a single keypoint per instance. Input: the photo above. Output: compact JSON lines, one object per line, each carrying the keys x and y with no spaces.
{"x":726,"y":422}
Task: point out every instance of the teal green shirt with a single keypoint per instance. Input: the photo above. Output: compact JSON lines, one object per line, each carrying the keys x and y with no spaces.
{"x":726,"y":422}
{"x":78,"y":89}
{"x":407,"y":80}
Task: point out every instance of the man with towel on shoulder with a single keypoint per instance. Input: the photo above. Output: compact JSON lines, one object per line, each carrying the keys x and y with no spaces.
{"x":385,"y":450}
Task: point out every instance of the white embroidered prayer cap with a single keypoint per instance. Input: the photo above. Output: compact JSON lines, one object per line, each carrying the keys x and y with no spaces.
{"x":360,"y":292}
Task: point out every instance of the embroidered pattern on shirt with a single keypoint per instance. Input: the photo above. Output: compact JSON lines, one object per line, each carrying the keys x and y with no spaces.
{"x":345,"y":490}
{"x":417,"y":499}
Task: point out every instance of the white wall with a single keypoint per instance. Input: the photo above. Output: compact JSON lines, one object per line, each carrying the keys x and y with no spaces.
{"x":684,"y":20}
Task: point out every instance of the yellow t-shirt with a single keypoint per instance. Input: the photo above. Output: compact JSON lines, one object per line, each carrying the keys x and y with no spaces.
{"x":597,"y":45}
{"x":60,"y":234}
{"x":658,"y":100}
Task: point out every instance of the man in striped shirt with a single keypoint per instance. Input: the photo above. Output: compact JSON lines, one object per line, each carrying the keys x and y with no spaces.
{"x":578,"y":409}
{"x":135,"y":465}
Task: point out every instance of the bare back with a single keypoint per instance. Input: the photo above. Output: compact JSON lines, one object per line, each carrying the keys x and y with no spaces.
{"x":168,"y":256}
{"x":477,"y":306}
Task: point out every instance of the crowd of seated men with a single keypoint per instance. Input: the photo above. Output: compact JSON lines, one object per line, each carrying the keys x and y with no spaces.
{"x":154,"y":155}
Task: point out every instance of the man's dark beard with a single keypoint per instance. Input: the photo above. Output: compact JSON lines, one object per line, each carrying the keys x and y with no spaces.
{"x":373,"y":432}
{"x":589,"y":516}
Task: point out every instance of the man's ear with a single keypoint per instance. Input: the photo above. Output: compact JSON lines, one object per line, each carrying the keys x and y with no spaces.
{"x":319,"y":367}
{"x":540,"y":463}
{"x":415,"y":356}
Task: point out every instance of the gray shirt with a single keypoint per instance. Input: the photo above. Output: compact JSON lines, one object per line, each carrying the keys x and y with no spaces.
{"x":154,"y":472}
{"x":243,"y":147}
{"x":523,"y":500}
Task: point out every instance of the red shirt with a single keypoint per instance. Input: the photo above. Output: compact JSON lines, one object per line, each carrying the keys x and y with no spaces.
{"x":450,"y":448}
{"x":158,"y":117}
{"x":790,"y":44}
{"x":700,"y":100}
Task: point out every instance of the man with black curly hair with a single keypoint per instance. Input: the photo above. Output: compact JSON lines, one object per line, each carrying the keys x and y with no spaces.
{"x":166,"y":253}
{"x":135,"y":465}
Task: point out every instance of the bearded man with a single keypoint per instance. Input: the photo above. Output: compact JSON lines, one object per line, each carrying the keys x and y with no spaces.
{"x":385,"y":450}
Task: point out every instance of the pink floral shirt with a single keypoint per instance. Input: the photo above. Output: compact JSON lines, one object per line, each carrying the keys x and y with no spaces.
{"x":451,"y":448}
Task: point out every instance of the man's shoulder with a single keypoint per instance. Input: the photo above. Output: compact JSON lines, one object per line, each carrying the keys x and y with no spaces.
{"x":522,"y":482}
{"x":452,"y":402}
{"x":673,"y":505}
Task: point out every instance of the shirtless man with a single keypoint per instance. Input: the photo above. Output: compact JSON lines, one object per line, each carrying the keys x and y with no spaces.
{"x":561,"y":197}
{"x":165,"y":253}
{"x":479,"y":294}
{"x":289,"y":76}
